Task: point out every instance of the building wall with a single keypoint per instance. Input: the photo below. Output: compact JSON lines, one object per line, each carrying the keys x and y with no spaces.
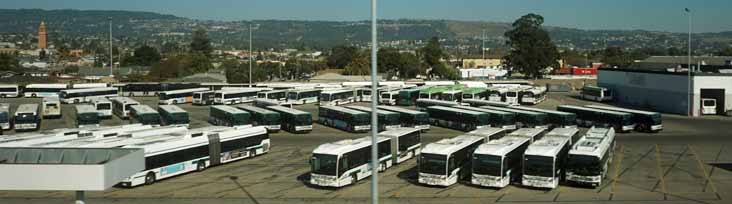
{"x":712,"y":82}
{"x":475,"y":63}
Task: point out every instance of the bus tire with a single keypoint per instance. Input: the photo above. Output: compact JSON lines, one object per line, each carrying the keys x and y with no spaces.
{"x":34,"y":95}
{"x":149,"y":178}
{"x":354,"y":179}
{"x":76,"y":100}
{"x":201,"y":166}
{"x":2,"y":96}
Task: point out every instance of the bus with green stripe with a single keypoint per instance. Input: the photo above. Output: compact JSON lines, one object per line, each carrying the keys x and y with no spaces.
{"x":263,"y":117}
{"x":387,"y":120}
{"x":408,"y":97}
{"x":432,"y":93}
{"x":475,"y":93}
{"x":588,"y":117}
{"x":554,"y":118}
{"x":498,"y":119}
{"x":458,"y":119}
{"x":224,"y":115}
{"x":293,"y":120}
{"x":524,"y":119}
{"x":345,"y":119}
{"x":411,"y":118}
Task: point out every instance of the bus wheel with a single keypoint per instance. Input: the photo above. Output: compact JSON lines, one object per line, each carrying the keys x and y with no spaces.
{"x":201,"y":166}
{"x":354,"y":179}
{"x":33,"y":95}
{"x":2,"y":96}
{"x":175,"y":102}
{"x":76,"y":100}
{"x":150,"y":178}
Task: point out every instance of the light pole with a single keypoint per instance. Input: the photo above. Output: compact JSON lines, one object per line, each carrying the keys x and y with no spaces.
{"x":688,"y":70}
{"x":111,"y":56}
{"x":374,"y":98}
{"x":250,"y":54}
{"x":483,"y":47}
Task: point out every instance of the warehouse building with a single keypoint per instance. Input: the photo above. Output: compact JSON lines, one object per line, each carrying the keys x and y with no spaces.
{"x":668,"y":92}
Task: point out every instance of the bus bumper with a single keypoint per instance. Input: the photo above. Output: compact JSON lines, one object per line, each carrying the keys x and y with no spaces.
{"x":656,"y":127}
{"x":25,"y":126}
{"x":539,"y":182}
{"x":436,"y":180}
{"x":509,"y":127}
{"x":584,"y":180}
{"x":304,"y":128}
{"x":422,"y":127}
{"x":392,"y":127}
{"x":489,"y":181}
{"x":362,"y":128}
{"x":323,"y":180}
{"x":5,"y":126}
{"x":628,"y":128}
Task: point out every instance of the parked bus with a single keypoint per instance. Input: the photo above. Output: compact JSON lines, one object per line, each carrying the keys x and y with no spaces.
{"x":264,"y":103}
{"x":553,"y":118}
{"x":512,"y":95}
{"x":43,"y":90}
{"x":497,"y":94}
{"x":498,"y":119}
{"x":387,"y":120}
{"x":432,"y":93}
{"x":644,"y":120}
{"x":50,"y":107}
{"x":235,"y":96}
{"x":596,"y":93}
{"x":408,"y":97}
{"x":121,"y":106}
{"x":410,"y":118}
{"x":389,"y":98}
{"x":588,"y":117}
{"x":405,"y":143}
{"x":452,"y":95}
{"x":144,"y":114}
{"x":337,"y":97}
{"x":5,"y":116}
{"x":203,"y":97}
{"x":293,"y":120}
{"x":422,"y":104}
{"x":9,"y":90}
{"x":173,"y":115}
{"x":303,"y":96}
{"x":103,"y":106}
{"x":478,"y":103}
{"x":459,"y":119}
{"x":475,"y":94}
{"x":533,"y":96}
{"x":86,"y":115}
{"x":591,"y":156}
{"x":89,"y":85}
{"x":489,"y":133}
{"x":141,"y":89}
{"x":364,"y":94}
{"x":532,"y":133}
{"x":544,"y":160}
{"x":447,"y":161}
{"x":347,"y":161}
{"x":47,"y":136}
{"x":164,"y":159}
{"x":86,"y":95}
{"x":345,"y":119}
{"x":228,"y":116}
{"x":263,"y":117}
{"x":524,"y":118}
{"x":708,"y":106}
{"x":178,"y":96}
{"x":26,"y":118}
{"x":279,"y":95}
{"x":497,"y":163}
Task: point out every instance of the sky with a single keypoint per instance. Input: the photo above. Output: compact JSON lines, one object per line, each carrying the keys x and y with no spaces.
{"x":656,"y":15}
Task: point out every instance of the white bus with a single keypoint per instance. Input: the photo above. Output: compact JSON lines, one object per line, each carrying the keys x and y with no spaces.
{"x":498,"y":162}
{"x":88,"y":85}
{"x":144,"y":114}
{"x":591,"y":156}
{"x":86,"y":95}
{"x":345,"y":162}
{"x":121,"y":106}
{"x":596,"y":93}
{"x":27,"y":117}
{"x":5,"y":116}
{"x":68,"y":134}
{"x":43,"y":90}
{"x":86,"y":115}
{"x":406,"y":143}
{"x":444,"y":162}
{"x":303,"y":96}
{"x":708,"y":106}
{"x":452,"y":95}
{"x":178,"y":96}
{"x":279,"y":95}
{"x":337,"y":97}
{"x":512,"y":96}
{"x":389,"y":98}
{"x":235,"y":96}
{"x":203,"y":97}
{"x":544,"y":160}
{"x":164,"y":159}
{"x":533,"y":96}
{"x":103,"y":106}
{"x":489,"y":133}
{"x":50,"y":107}
{"x":9,"y":90}
{"x":497,"y":94}
{"x":531,"y":133}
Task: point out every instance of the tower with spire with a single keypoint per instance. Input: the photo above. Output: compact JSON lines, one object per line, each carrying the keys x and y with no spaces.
{"x":42,"y":36}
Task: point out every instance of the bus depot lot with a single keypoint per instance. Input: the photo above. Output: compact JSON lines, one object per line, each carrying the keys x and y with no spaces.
{"x":672,"y":166}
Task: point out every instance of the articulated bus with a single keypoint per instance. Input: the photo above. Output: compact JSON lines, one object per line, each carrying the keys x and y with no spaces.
{"x":553,"y":118}
{"x":422,"y":104}
{"x":544,"y":160}
{"x":86,"y":115}
{"x":164,"y":159}
{"x":459,"y":119}
{"x":43,"y":90}
{"x":498,"y":119}
{"x":178,"y":96}
{"x":103,"y":106}
{"x":50,"y":107}
{"x":591,"y":156}
{"x":533,"y":96}
{"x":497,"y":94}
{"x":345,"y":162}
{"x":26,"y":118}
{"x":475,"y":94}
{"x":86,"y":95}
{"x":389,"y":98}
{"x":588,"y":117}
{"x":173,"y":115}
{"x":596,"y":93}
{"x":345,"y":119}
{"x":387,"y":120}
{"x":9,"y":90}
{"x":303,"y":96}
{"x":263,"y":117}
{"x":410,"y":118}
{"x":524,"y":118}
{"x":498,"y":162}
{"x":121,"y":106}
{"x":203,"y":97}
{"x":279,"y":95}
{"x":228,"y":116}
{"x":478,"y":103}
{"x":236,"y":96}
{"x":293,"y":120}
{"x":337,"y":97}
{"x":144,"y":114}
{"x":447,"y":161}
{"x":5,"y":116}
{"x":405,"y":143}
{"x":644,"y":120}
{"x":408,"y":97}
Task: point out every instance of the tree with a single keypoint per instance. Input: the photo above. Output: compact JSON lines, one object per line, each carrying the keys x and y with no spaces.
{"x":9,"y":63}
{"x":71,"y":69}
{"x":144,"y":56}
{"x":615,"y":56}
{"x":724,"y":52}
{"x":180,"y":65}
{"x":432,"y":52}
{"x":200,"y":43}
{"x":392,"y":62}
{"x":238,"y":72}
{"x":341,"y":56}
{"x":532,"y":49}
{"x":445,"y":72}
{"x":673,"y":51}
{"x":360,"y":65}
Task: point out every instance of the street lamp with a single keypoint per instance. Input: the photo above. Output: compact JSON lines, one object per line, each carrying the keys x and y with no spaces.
{"x":111,"y":56}
{"x":688,"y":70}
{"x":374,"y":98}
{"x":250,"y":55}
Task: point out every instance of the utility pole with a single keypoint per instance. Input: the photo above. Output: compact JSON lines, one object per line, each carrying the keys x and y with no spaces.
{"x":111,"y":55}
{"x":250,"y":54}
{"x":483,"y":47}
{"x":374,"y":98}
{"x":690,"y":95}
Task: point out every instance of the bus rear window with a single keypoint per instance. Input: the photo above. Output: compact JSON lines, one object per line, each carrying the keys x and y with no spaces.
{"x":104,"y":106}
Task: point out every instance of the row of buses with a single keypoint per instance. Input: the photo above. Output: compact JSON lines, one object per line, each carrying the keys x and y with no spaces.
{"x":357,"y":119}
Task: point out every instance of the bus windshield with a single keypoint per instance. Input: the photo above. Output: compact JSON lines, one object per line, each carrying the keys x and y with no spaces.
{"x":386,"y":96}
{"x":511,"y":94}
{"x":324,"y":97}
{"x":487,"y":165}
{"x":3,"y":117}
{"x":25,"y":117}
{"x":433,"y":164}
{"x":303,"y":120}
{"x":656,"y":119}
{"x":292,"y":96}
{"x":261,"y":95}
{"x":324,"y":164}
{"x":584,"y":165}
{"x":467,"y":96}
{"x":538,"y":166}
